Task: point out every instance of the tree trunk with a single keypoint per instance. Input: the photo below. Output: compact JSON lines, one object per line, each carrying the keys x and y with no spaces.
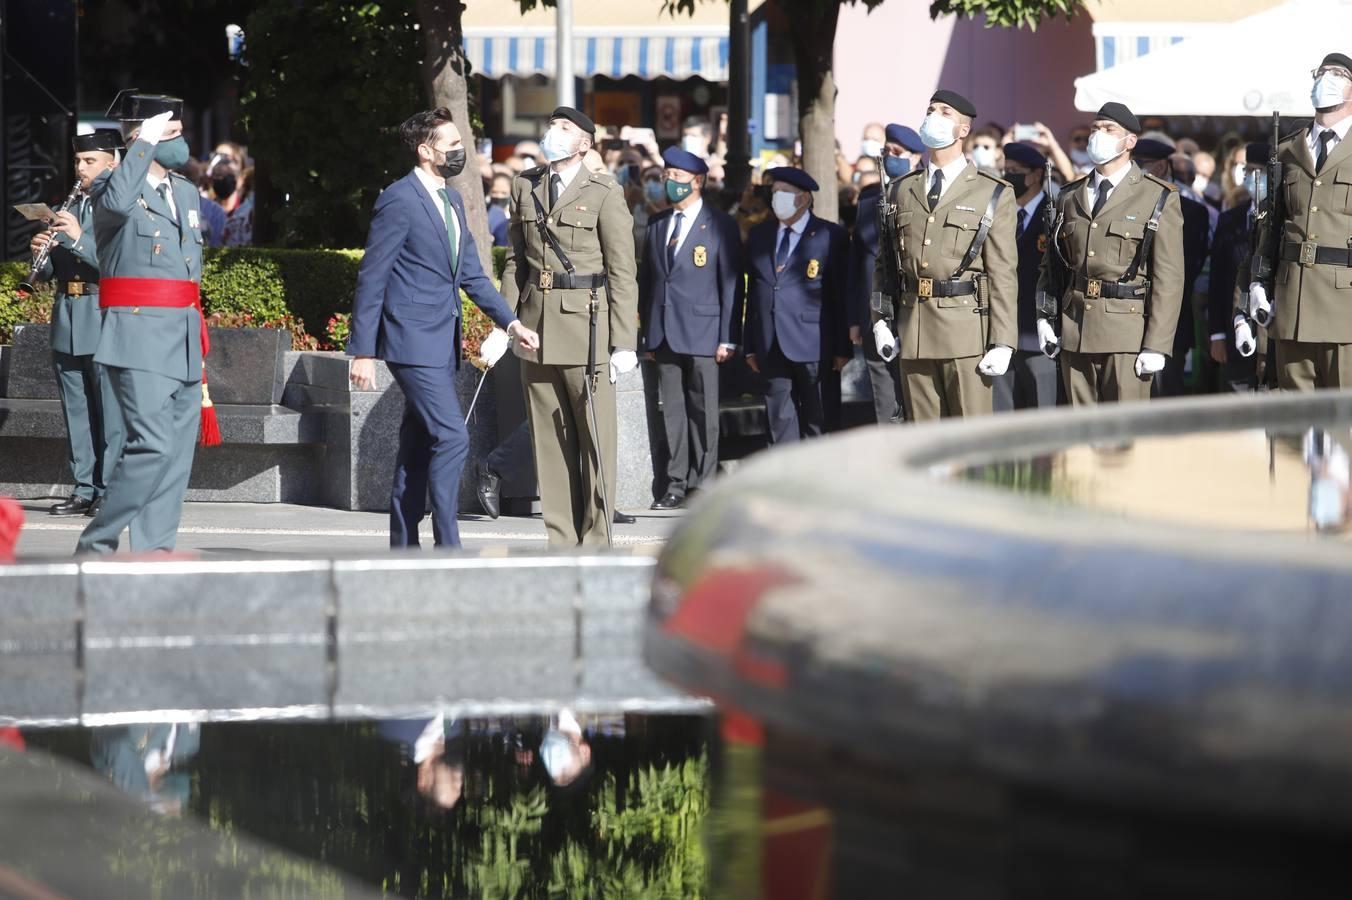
{"x":445,"y":75}
{"x":814,"y":58}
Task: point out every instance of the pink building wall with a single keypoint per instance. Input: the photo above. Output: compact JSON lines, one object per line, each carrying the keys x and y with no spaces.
{"x":890,"y":61}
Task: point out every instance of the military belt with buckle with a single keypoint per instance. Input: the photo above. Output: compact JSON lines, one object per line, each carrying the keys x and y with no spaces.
{"x":1308,"y":253}
{"x":551,"y":280}
{"x":80,"y":288}
{"x":1094,"y":288}
{"x":925,"y":288}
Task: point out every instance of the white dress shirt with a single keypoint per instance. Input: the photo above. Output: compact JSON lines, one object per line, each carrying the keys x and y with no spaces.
{"x":434,"y":186}
{"x":1092,"y":185}
{"x":688,"y":216}
{"x":566,"y":176}
{"x":951,"y":173}
{"x":1030,"y":209}
{"x":1339,"y":132}
{"x":169,"y":194}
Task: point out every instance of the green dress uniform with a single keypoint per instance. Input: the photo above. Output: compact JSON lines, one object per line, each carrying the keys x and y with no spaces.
{"x":944,"y":323}
{"x":1105,"y":324}
{"x":593,"y":226}
{"x":93,"y":424}
{"x":153,"y":354}
{"x":1312,"y":294}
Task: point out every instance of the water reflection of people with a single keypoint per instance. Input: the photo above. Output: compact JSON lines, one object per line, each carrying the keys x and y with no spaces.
{"x":435,"y":750}
{"x":1327,"y":457}
{"x":146,"y":761}
{"x":565,"y":751}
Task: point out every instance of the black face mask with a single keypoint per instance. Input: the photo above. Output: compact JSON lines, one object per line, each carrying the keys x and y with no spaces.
{"x":453,"y":165}
{"x":1019,"y":182}
{"x":500,"y":202}
{"x":223,"y":185}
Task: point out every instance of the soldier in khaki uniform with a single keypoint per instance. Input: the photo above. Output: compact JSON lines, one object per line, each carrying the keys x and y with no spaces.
{"x":1311,"y":299}
{"x":586,"y":215}
{"x":956,"y":312}
{"x":1121,"y":291}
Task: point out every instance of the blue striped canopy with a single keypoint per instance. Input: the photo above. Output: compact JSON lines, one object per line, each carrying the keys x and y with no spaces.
{"x":671,"y":52}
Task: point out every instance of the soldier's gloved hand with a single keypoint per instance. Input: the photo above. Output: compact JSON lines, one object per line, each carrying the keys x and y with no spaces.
{"x":493,"y":347}
{"x":1260,"y":308}
{"x":885,"y":341}
{"x":152,"y":129}
{"x":1244,"y":340}
{"x":1046,"y":336}
{"x":1148,"y":362}
{"x":996,"y":361}
{"x":622,"y":361}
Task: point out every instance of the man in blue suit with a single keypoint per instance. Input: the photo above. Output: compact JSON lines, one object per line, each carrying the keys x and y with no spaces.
{"x":419,"y":256}
{"x":689,"y":290}
{"x":796,"y":320}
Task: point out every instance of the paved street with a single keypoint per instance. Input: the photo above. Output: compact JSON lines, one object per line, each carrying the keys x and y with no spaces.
{"x":277,"y":528}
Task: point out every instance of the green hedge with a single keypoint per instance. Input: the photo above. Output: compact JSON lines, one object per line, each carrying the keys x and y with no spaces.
{"x":311,"y":285}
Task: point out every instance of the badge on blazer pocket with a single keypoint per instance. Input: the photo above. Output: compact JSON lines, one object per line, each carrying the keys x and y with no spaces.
{"x":1041,"y":243}
{"x":701,"y":256}
{"x":813,"y":268}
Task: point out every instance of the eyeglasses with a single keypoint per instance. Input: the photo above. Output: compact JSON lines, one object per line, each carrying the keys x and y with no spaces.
{"x":1331,"y":70}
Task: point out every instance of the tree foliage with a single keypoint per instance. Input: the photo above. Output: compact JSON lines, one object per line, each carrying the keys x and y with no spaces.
{"x":1007,"y":13}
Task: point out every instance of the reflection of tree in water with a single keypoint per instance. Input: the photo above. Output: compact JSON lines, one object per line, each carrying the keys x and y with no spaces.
{"x":630,"y":828}
{"x":1026,"y":476}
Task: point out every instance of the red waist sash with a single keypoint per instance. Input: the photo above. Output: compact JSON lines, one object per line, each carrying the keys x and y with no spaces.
{"x":161,"y":292}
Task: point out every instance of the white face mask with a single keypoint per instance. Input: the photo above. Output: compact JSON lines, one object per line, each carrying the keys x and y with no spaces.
{"x":1080,"y":158}
{"x":1239,"y":173}
{"x":1329,"y":90}
{"x":785,"y":204}
{"x":1199,"y":184}
{"x":693,"y":143}
{"x":871,"y":148}
{"x":1104,"y":148}
{"x":983,"y":157}
{"x":937,"y":131}
{"x":557,"y":144}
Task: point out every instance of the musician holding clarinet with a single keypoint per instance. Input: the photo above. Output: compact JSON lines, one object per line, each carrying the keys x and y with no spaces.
{"x":66,"y":255}
{"x":149,"y":226}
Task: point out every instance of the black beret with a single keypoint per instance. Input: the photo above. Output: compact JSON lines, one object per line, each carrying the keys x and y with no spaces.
{"x":1337,"y":59}
{"x":796,"y":177}
{"x":131,"y":105}
{"x":955,"y":100}
{"x":109,"y":140}
{"x":1151,"y":150}
{"x":576,"y":117}
{"x":1118,"y":112}
{"x":1026,"y":154}
{"x":677,"y":158}
{"x":1257,"y":154}
{"x":905,"y":137}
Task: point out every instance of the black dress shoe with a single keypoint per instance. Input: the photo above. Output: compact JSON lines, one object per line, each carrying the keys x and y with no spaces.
{"x":94,"y":507}
{"x":670,"y":501}
{"x":489,"y":485}
{"x":75,"y":506}
{"x":623,"y":519}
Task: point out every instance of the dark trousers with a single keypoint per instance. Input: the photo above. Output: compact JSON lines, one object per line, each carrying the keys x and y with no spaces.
{"x":433,"y":445}
{"x":93,"y":423}
{"x":689,"y":388}
{"x":1029,"y":383}
{"x":513,"y":460}
{"x":793,"y":397}
{"x":885,"y":380}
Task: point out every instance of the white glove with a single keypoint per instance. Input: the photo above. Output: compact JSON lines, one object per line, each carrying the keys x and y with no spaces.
{"x":493,"y":347}
{"x":1244,"y":341}
{"x":1046,"y":336}
{"x":996,"y":361}
{"x":1260,"y":308}
{"x":622,"y":361}
{"x":1148,"y":362}
{"x":152,"y":129}
{"x":885,"y":341}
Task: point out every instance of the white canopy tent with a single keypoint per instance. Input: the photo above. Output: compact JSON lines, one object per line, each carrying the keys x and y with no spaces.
{"x":1248,"y":68}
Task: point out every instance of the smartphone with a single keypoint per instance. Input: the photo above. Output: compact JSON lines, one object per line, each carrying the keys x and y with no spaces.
{"x":1025,"y":133}
{"x":639,"y":137}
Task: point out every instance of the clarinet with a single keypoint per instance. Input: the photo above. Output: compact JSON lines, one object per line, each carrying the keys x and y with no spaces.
{"x":40,"y":257}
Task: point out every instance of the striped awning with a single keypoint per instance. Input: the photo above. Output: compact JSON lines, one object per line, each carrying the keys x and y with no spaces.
{"x":614,"y":53}
{"x":1119,"y":42}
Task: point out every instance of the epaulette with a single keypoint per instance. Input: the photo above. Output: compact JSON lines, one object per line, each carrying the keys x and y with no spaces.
{"x":912,"y":173}
{"x":180,"y":177}
{"x":1167,"y":185}
{"x":1297,"y":133}
{"x":996,"y":178}
{"x":603,"y":178}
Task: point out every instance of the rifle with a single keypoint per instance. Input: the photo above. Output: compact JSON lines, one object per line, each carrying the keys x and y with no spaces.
{"x":883,"y":303}
{"x":1049,"y":301}
{"x":1265,"y":232}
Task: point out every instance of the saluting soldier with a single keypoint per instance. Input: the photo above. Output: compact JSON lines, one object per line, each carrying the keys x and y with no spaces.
{"x":571,"y":244}
{"x":1309,"y":299}
{"x":1124,"y":279}
{"x":956,"y":309}
{"x":93,"y":425}
{"x":148,"y":225}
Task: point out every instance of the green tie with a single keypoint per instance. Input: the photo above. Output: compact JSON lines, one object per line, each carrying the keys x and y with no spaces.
{"x":451,"y":230}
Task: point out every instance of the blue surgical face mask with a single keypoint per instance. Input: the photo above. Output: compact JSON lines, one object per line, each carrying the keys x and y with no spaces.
{"x":172,"y":153}
{"x":896,"y":166}
{"x":653,"y":191}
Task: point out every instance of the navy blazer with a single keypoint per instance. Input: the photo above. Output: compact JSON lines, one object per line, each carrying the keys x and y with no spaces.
{"x":407,"y":307}
{"x":1227,"y":259}
{"x":802,"y":308}
{"x":863,"y":257}
{"x":691,"y":305}
{"x":1032,"y":244}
